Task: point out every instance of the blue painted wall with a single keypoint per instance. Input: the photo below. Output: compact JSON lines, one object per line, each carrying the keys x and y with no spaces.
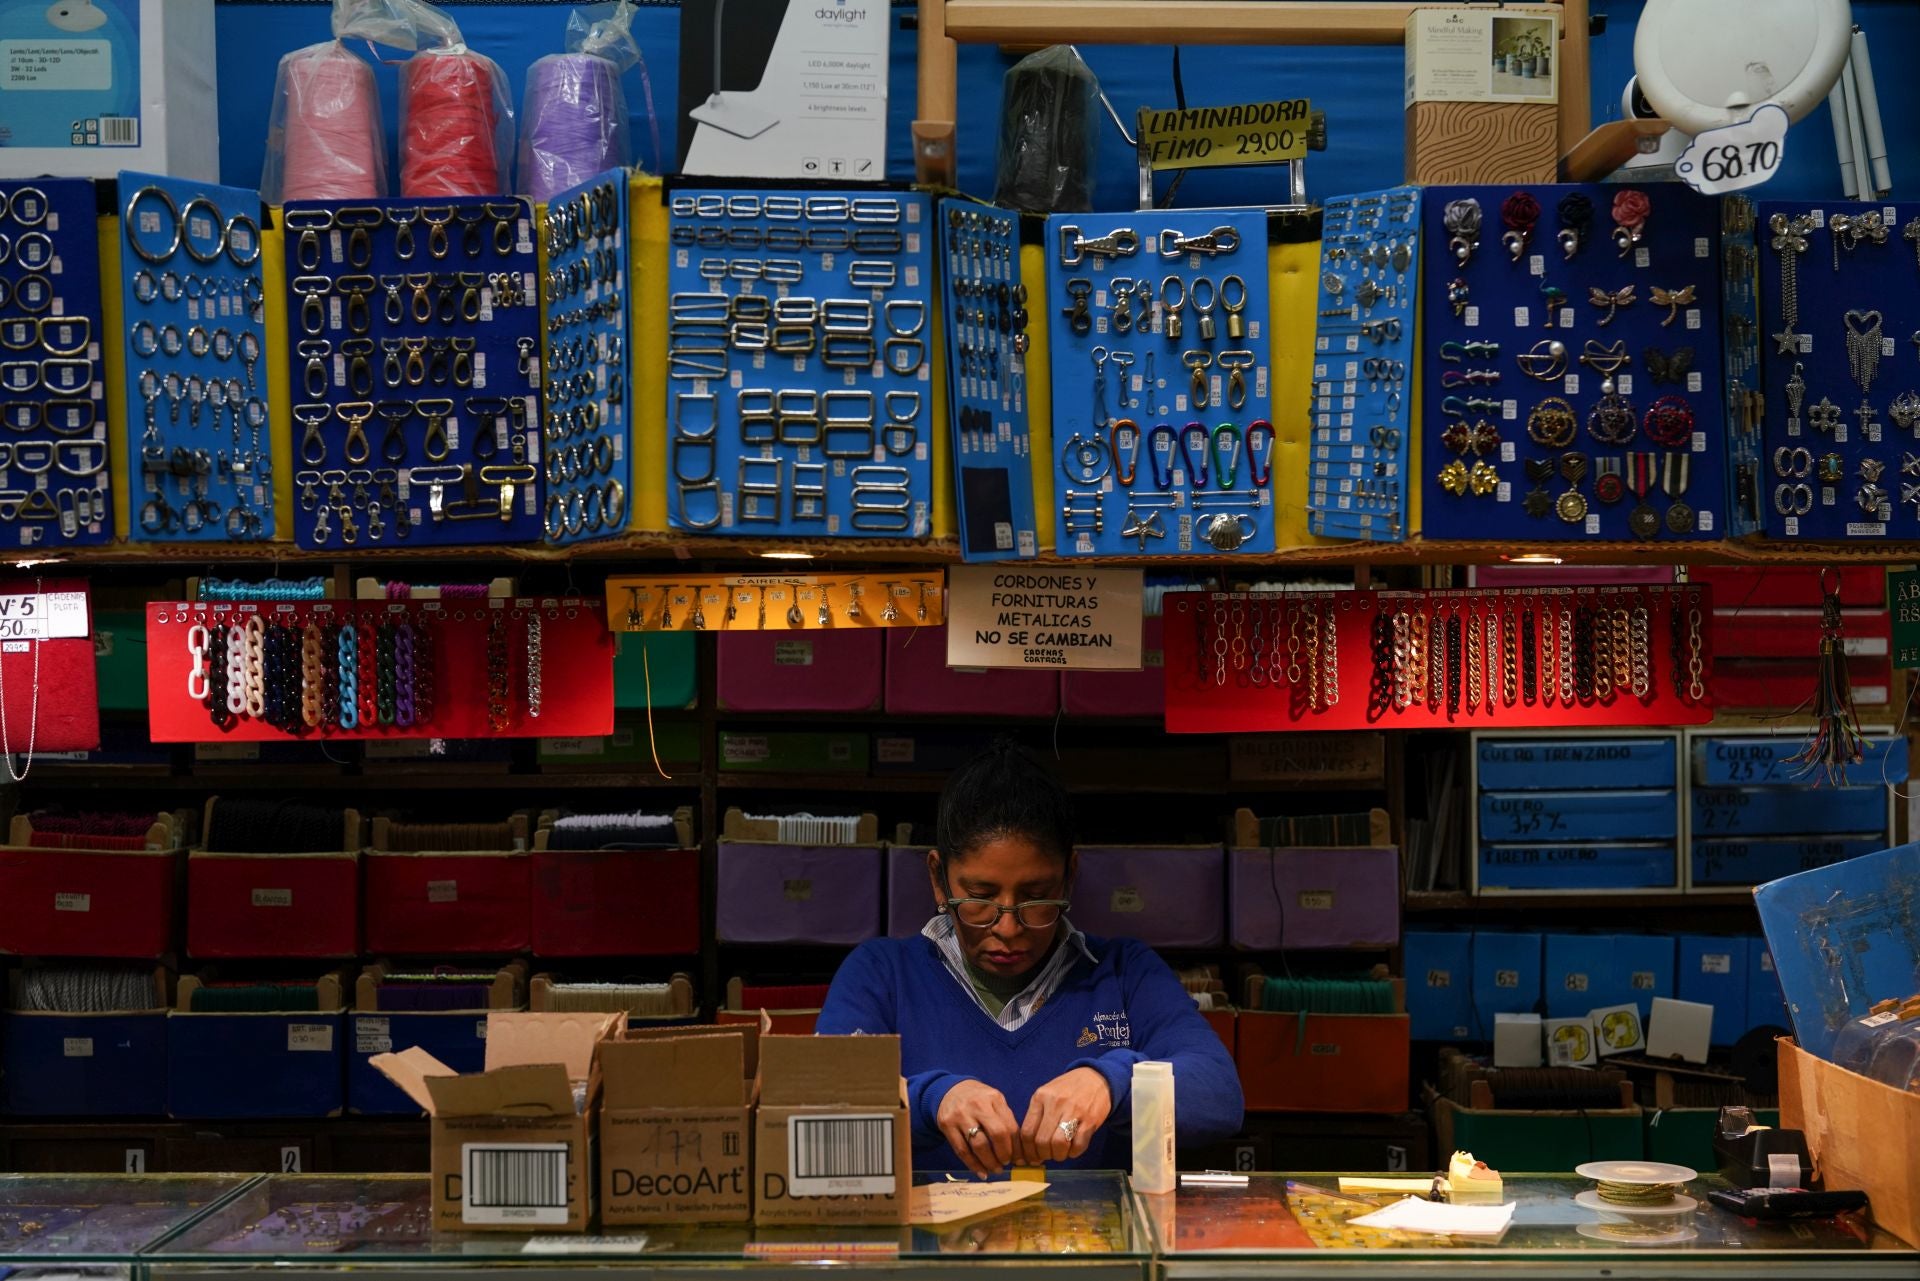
{"x":1359,"y":88}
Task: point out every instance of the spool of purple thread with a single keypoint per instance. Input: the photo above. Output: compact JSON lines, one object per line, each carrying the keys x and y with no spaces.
{"x":575,"y":123}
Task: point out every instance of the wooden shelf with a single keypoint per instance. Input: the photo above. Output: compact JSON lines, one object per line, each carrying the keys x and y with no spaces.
{"x":1443,"y":902}
{"x":1237,"y":22}
{"x":294,"y":780}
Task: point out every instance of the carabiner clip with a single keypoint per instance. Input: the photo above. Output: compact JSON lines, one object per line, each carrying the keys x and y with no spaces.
{"x":1192,"y":434}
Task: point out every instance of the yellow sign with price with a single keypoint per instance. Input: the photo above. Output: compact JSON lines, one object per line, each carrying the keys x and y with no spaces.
{"x":1251,"y":133}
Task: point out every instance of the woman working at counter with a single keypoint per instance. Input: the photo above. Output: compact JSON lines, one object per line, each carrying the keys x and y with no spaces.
{"x":1018,"y":1033}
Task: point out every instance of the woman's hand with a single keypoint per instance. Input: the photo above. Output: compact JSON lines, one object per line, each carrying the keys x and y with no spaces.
{"x":980,"y":1127}
{"x":1080,"y":1096}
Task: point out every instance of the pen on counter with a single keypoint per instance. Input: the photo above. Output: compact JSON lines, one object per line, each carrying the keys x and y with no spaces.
{"x":1295,"y":1186}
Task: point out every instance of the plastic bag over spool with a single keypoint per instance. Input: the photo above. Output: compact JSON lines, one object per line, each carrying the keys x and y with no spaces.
{"x":440,"y":156}
{"x":339,"y":144}
{"x":574,"y":115}
{"x":1049,"y":139}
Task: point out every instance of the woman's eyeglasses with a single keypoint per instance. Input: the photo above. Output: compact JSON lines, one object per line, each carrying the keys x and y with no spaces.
{"x":982,"y":913}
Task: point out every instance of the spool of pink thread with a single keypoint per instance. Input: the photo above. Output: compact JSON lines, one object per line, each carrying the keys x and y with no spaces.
{"x":333,"y":134}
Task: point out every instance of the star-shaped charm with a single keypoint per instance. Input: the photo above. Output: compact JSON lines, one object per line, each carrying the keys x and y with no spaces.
{"x":1789,"y":342}
{"x":1537,"y":503}
{"x":1142,"y":527}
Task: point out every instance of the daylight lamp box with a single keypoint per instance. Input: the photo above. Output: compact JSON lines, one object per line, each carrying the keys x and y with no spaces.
{"x":91,"y":87}
{"x":675,"y":1126}
{"x":784,"y":89}
{"x":1483,"y":95}
{"x":511,"y":1147}
{"x":832,"y":1138}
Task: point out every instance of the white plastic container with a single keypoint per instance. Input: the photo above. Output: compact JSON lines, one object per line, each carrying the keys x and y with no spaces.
{"x":1153,"y":1167}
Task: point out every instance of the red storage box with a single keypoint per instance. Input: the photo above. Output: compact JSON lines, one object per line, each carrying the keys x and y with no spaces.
{"x":919,"y":682}
{"x":86,"y":903}
{"x":614,"y":902}
{"x":273,"y":905}
{"x":1571,"y":575}
{"x":1744,"y":587}
{"x":819,"y":671}
{"x":1795,"y":633}
{"x":1337,"y":1063}
{"x":1225,"y":1024}
{"x":451,"y":903}
{"x":1778,"y":684}
{"x":782,"y":1022}
{"x":1141,"y":693}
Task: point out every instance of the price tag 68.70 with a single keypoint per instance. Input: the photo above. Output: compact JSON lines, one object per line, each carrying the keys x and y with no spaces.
{"x":1737,"y":156}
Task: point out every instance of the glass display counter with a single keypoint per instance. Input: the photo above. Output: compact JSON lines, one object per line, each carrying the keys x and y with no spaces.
{"x":1084,"y":1222}
{"x":1280,"y":1225}
{"x":99,"y":1218}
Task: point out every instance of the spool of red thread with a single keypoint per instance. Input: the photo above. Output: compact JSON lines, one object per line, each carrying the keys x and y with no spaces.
{"x":451,"y":113}
{"x":333,"y":135}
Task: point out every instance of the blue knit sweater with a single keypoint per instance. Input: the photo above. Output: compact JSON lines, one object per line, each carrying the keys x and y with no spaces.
{"x":1107,"y":1016}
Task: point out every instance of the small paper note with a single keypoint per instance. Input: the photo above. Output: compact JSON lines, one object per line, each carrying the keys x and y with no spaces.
{"x":1439,"y":1219}
{"x":932,"y":1204}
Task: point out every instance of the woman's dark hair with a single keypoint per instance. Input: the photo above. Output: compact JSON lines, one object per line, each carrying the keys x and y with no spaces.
{"x":1004,"y":792}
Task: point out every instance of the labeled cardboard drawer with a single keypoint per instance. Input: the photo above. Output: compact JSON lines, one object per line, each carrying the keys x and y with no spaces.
{"x":910,"y":896}
{"x":1766,"y":761}
{"x":1788,"y":811}
{"x":273,"y":905}
{"x":1719,"y":864}
{"x":458,"y":1038}
{"x":239,"y":1066}
{"x":450,"y":904}
{"x":80,"y":903}
{"x":84,"y":1064}
{"x":1108,"y":694}
{"x":919,"y":682}
{"x":818,"y":671}
{"x":770,"y":892}
{"x":1524,"y":764}
{"x":615,"y":903}
{"x":1313,"y":898}
{"x":1324,"y":1062}
{"x":1162,"y":895}
{"x":1563,"y":817}
{"x":1623,"y":865}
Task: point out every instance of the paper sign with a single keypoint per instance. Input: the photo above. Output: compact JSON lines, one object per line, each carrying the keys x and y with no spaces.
{"x":933,"y":1204}
{"x":1903,"y":602}
{"x":1043,"y":618}
{"x":1735,"y":157}
{"x":1249,"y":133}
{"x":54,"y":616}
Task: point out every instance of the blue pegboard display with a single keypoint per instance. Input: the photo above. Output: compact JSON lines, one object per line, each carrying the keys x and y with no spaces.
{"x":1747,"y":490}
{"x":196,"y":409}
{"x":414,"y":335}
{"x":1571,"y":386}
{"x":54,"y":484}
{"x":1161,"y":365}
{"x":1363,"y":361}
{"x":987,"y":340}
{"x":1841,"y":293}
{"x":589,"y":471}
{"x":799,"y":363}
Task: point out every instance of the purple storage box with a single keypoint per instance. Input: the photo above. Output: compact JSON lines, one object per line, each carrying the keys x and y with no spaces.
{"x":1141,"y":693}
{"x":1300,"y":898}
{"x":823,"y":671}
{"x":909,"y":895}
{"x":919,"y":682}
{"x":774,"y":893}
{"x":1163,"y":895}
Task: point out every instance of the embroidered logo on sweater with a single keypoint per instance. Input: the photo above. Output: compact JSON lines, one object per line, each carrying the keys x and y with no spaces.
{"x":1109,"y":1031}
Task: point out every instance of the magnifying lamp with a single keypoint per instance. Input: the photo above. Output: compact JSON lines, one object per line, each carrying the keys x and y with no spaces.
{"x":730,"y":115}
{"x":1702,"y":64}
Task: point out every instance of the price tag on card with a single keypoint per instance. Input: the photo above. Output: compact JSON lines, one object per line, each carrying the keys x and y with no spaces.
{"x":1736,"y":156}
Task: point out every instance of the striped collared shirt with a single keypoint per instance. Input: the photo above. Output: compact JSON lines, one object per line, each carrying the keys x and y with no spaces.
{"x":1045,"y":982}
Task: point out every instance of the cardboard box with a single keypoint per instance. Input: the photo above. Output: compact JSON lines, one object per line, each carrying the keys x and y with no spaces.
{"x":458,"y":1038}
{"x":819,"y":671}
{"x":1439,"y":966}
{"x":511,"y":1146}
{"x":65,"y":902}
{"x":1323,"y":1062}
{"x":1313,"y":898}
{"x":254,"y":1065}
{"x":74,"y":1065}
{"x":121,"y":84}
{"x":1307,"y":757}
{"x":1517,"y":1041}
{"x":1162,"y":895}
{"x":1369,"y":827}
{"x":631,"y":743}
{"x":832,"y":1136}
{"x":794,"y":751}
{"x":1713,"y":972}
{"x":676,"y":1126}
{"x":447,"y":902}
{"x":1679,"y":1030}
{"x":1861,"y":1134}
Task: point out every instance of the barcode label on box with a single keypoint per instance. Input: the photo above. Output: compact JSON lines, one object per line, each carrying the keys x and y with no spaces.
{"x":514,"y":1183}
{"x":119,"y":131}
{"x":73,"y":902}
{"x":843,"y":1155}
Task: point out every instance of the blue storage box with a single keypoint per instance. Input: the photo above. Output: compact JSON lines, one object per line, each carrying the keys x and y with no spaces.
{"x":239,"y":1066}
{"x":457,"y":1038}
{"x":1788,"y":811}
{"x":1623,"y":866}
{"x":1644,"y":964}
{"x":1510,"y":764}
{"x":1766,"y":1003}
{"x":1713,"y":971}
{"x":84,"y":1064}
{"x":1578,"y":817}
{"x":1762,"y":762}
{"x":1592,"y":971}
{"x":1755,"y":862}
{"x":1439,"y":968}
{"x":1506,"y":976}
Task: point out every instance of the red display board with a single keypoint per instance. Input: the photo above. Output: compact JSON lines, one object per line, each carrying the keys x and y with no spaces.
{"x":471,"y":669}
{"x":1245,"y":662}
{"x":47,"y":666}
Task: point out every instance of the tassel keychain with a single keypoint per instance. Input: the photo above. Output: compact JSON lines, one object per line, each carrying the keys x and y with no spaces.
{"x":1837,"y":741}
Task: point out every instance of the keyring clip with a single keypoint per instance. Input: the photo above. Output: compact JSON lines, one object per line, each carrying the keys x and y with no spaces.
{"x":1197,"y":472}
